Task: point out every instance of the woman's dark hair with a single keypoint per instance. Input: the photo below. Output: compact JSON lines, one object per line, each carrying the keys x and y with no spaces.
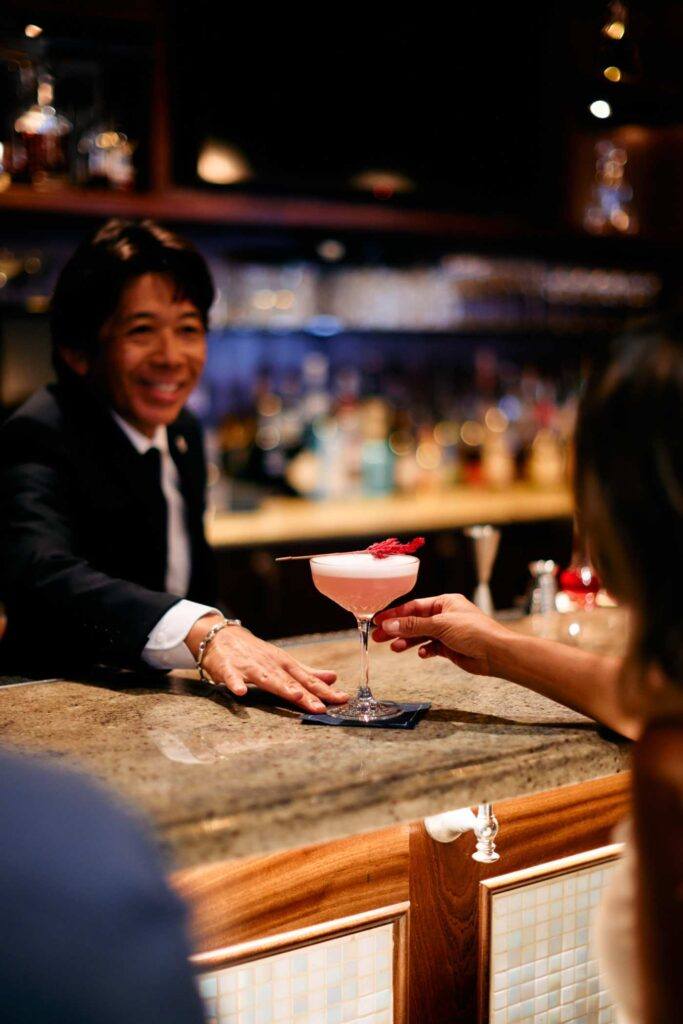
{"x":91,"y":282}
{"x":629,"y":486}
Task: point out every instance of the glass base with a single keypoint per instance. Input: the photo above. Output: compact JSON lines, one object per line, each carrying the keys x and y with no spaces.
{"x":363,"y":710}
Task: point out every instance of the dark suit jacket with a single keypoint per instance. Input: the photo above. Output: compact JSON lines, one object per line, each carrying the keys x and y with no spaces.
{"x":83,"y":532}
{"x":89,"y":931}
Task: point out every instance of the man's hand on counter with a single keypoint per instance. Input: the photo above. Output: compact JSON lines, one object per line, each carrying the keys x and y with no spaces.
{"x":449,"y":626}
{"x":236,"y":658}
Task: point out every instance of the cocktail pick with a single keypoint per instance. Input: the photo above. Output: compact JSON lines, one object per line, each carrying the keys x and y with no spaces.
{"x":382,"y":549}
{"x":486,"y":540}
{"x":307,"y":558}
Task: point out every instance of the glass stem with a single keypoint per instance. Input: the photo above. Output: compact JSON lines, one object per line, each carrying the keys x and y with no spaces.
{"x":364,"y":692}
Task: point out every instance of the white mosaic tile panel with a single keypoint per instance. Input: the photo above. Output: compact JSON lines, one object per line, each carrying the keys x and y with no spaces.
{"x":542,"y":969}
{"x":347,"y":980}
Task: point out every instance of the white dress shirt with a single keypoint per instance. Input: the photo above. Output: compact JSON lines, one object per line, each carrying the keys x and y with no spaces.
{"x":165,"y":647}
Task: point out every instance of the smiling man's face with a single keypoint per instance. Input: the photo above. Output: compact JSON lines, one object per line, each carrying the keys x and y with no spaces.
{"x":152,"y":355}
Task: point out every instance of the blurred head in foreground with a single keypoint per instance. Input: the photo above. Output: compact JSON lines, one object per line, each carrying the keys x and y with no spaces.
{"x":629,"y":488}
{"x":129,"y":317}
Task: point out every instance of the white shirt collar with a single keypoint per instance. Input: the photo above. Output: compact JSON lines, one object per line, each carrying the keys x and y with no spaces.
{"x":140,"y":441}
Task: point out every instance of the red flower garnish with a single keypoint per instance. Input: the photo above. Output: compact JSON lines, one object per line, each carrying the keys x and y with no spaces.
{"x":393,"y":546}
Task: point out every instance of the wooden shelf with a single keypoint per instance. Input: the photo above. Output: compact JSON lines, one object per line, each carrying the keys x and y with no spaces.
{"x":295,"y":520}
{"x":195,"y":206}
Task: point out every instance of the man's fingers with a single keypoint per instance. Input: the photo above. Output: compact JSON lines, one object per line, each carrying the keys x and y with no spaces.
{"x":233,"y":682}
{"x":237,"y":662}
{"x":326,"y":674}
{"x":328,"y":693}
{"x":276,"y":680}
{"x":270,"y":677}
{"x":315,"y":685}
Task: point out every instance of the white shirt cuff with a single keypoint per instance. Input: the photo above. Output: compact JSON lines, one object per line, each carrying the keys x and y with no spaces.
{"x":165,"y":647}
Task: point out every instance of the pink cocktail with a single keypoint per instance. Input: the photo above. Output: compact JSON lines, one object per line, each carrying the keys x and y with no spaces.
{"x":364,"y":585}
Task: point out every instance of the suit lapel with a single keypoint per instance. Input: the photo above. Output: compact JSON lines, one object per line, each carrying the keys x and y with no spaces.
{"x":189,"y":459}
{"x":187,"y":453}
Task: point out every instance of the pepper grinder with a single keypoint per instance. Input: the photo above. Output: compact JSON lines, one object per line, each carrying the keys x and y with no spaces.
{"x":486,"y":540}
{"x":543,"y":587}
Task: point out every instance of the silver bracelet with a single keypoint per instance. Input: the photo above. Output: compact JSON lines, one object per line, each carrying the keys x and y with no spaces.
{"x":216,"y":628}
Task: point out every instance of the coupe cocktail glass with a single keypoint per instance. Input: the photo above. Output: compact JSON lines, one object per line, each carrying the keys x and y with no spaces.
{"x":364,"y":585}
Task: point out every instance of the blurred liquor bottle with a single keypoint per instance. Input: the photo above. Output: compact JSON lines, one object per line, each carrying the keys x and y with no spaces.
{"x":39,"y":152}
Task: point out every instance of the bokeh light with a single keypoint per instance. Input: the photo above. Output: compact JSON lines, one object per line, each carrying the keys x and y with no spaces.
{"x":600,"y":108}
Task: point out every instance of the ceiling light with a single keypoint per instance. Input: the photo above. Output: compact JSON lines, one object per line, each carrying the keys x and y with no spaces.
{"x":600,"y":108}
{"x":331,"y":250}
{"x":220,"y":164}
{"x":383,"y":184}
{"x":615,"y":29}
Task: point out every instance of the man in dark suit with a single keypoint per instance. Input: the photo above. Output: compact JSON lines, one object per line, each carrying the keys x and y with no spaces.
{"x":102,"y":551}
{"x":92,"y":570}
{"x":89,"y":931}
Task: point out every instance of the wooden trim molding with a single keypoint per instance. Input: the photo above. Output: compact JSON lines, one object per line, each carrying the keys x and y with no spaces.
{"x":397,"y":915}
{"x":401,"y":966}
{"x":513,"y":880}
{"x":244,"y":952}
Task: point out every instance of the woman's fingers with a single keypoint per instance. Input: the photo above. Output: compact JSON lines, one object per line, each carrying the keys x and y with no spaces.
{"x":412,"y":626}
{"x":381,"y":635}
{"x":421,"y":606}
{"x":431,"y":649}
{"x":404,"y":644}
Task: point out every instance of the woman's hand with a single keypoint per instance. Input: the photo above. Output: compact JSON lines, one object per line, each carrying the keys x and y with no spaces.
{"x":450,"y":626}
{"x":235,"y":657}
{"x":453,"y":627}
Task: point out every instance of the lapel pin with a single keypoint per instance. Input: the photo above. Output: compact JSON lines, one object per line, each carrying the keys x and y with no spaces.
{"x":181,"y":444}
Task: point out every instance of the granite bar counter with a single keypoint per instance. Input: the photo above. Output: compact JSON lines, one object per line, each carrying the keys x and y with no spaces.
{"x":222,"y":778}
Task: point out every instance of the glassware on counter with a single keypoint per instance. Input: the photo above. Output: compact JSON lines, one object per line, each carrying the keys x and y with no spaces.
{"x":106,"y":158}
{"x":486,"y":540}
{"x":363,"y":585}
{"x":581,"y":583}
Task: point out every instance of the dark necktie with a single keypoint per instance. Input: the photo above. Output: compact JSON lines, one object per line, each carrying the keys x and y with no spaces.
{"x":156,"y":503}
{"x":151,"y":472}
{"x":152,"y":463}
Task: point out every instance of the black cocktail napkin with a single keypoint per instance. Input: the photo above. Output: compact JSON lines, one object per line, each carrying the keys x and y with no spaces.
{"x":412,"y":713}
